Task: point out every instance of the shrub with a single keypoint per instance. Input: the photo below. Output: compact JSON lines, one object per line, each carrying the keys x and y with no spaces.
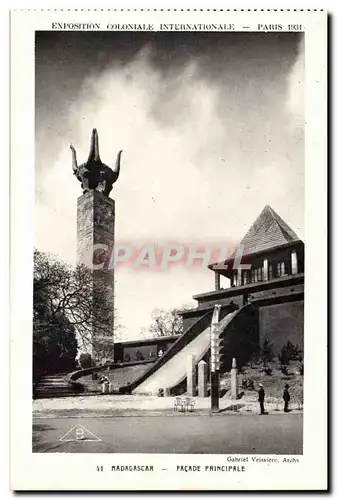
{"x":253,"y":360}
{"x":268,"y":370}
{"x":284,"y":357}
{"x":284,"y":370}
{"x":248,"y":384}
{"x":290,"y":352}
{"x":294,"y":351}
{"x":266,"y":352}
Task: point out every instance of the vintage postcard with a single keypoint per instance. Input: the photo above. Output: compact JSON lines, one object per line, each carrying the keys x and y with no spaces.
{"x":168,"y":250}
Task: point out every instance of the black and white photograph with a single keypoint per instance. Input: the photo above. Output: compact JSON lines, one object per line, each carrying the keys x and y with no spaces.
{"x":172,"y":227}
{"x":196,"y":215}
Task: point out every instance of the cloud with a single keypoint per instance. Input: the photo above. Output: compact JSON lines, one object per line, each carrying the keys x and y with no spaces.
{"x":199,"y":163}
{"x":295,"y":102}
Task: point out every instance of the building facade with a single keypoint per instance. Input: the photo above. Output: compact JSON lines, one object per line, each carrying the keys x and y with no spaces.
{"x":266,"y":271}
{"x":143,"y":350}
{"x":264,"y":300}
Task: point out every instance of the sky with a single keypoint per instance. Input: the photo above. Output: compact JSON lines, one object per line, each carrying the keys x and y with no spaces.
{"x":212,"y":129}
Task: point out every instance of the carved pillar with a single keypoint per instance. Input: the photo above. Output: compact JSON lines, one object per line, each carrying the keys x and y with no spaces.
{"x":202,"y":379}
{"x":191,"y":375}
{"x":234,"y":380}
{"x":95,"y":240}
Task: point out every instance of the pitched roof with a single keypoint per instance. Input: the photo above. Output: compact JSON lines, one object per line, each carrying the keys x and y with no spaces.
{"x":268,"y":231}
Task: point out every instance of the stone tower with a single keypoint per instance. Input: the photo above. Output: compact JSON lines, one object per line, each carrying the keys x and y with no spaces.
{"x":95,"y":242}
{"x":95,"y":230}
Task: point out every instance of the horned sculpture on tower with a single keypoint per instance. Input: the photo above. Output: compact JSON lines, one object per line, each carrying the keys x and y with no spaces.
{"x":93,"y":174}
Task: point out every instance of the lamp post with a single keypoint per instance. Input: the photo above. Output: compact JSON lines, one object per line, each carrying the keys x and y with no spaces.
{"x":215,"y":359}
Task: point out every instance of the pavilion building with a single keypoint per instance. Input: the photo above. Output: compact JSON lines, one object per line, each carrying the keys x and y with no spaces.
{"x":266,"y":269}
{"x":264,"y":300}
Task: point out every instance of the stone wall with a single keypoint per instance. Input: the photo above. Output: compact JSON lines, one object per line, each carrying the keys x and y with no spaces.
{"x":282,"y":322}
{"x":240,"y":339}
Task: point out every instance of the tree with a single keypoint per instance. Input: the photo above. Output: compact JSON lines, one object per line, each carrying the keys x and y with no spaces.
{"x":266,"y":352}
{"x":166,"y":323}
{"x":294,"y":351}
{"x":289,"y":352}
{"x":284,"y":356}
{"x":120,"y":333}
{"x":54,"y":344}
{"x":69,"y":294}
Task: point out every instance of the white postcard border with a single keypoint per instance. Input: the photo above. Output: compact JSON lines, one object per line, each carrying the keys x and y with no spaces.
{"x":33,"y":471}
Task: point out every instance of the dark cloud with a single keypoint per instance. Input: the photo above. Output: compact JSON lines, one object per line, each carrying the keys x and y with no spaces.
{"x":200,"y":116}
{"x":230,"y":61}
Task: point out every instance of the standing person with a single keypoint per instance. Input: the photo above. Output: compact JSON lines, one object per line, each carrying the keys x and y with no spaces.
{"x":286,"y":398}
{"x":261,"y":399}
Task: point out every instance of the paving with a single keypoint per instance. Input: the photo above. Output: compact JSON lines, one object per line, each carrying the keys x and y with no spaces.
{"x":222,"y":433}
{"x":127,"y":405}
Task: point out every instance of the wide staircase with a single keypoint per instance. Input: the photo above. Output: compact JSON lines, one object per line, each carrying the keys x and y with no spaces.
{"x":54,"y":386}
{"x":169,"y":371}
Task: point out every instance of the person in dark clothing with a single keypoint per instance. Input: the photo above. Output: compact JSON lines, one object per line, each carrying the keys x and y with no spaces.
{"x":261,"y":399}
{"x":286,"y":398}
